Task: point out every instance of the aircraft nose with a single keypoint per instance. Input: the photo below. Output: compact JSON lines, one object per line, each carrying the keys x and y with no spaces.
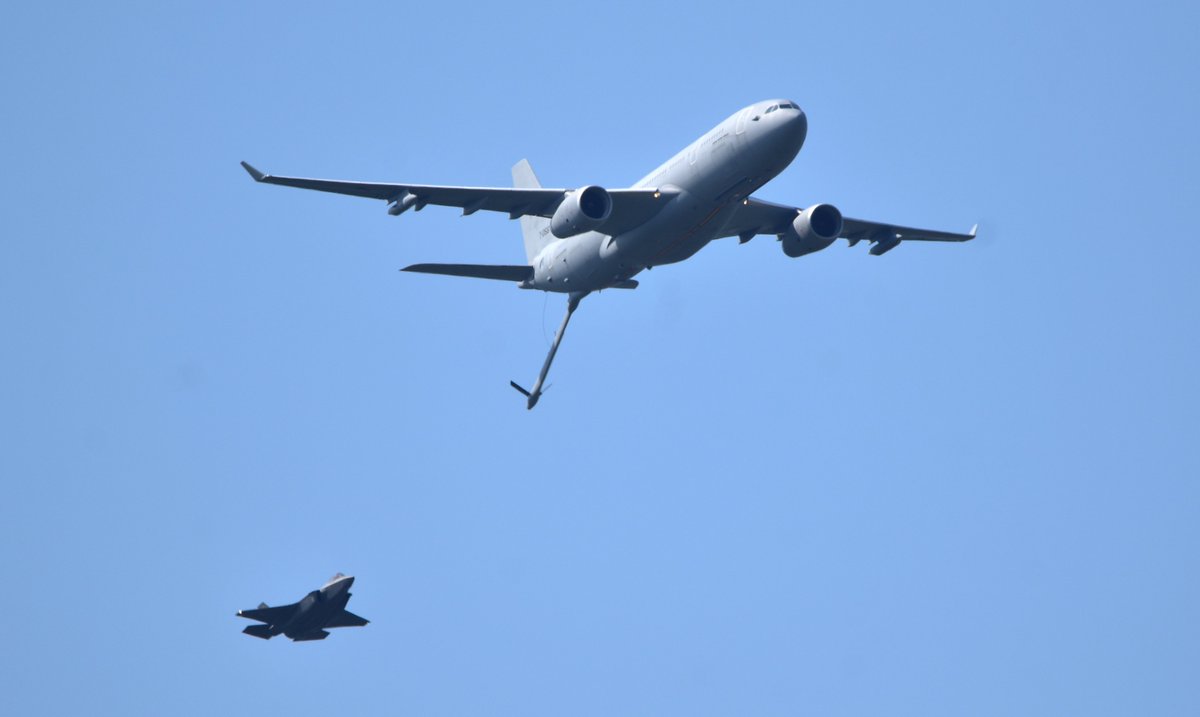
{"x":798,"y":126}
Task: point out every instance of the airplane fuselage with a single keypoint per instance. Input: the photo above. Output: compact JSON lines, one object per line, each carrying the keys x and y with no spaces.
{"x":707,"y":180}
{"x":316,"y":608}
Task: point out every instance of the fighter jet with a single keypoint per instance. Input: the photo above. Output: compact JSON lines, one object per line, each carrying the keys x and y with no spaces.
{"x":307,"y":619}
{"x":578,"y":241}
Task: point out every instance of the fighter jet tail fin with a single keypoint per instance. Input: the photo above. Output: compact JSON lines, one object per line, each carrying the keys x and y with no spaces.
{"x":263,"y":631}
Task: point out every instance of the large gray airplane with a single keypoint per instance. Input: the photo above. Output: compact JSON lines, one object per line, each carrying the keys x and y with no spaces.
{"x":311,"y":617}
{"x":582,"y":240}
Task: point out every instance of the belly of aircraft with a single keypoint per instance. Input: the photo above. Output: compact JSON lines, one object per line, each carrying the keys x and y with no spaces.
{"x":683,"y":243}
{"x":594,"y":261}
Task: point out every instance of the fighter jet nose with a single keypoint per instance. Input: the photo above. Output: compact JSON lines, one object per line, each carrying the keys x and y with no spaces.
{"x":337,"y":584}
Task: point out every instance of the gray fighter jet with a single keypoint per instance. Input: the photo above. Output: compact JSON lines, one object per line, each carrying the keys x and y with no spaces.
{"x":307,"y":619}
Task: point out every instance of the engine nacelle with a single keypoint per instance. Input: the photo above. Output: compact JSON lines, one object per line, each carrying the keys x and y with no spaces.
{"x":812,"y":230}
{"x":583,"y":210}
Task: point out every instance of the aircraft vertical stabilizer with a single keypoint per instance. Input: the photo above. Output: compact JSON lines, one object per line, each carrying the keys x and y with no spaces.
{"x":536,"y":238}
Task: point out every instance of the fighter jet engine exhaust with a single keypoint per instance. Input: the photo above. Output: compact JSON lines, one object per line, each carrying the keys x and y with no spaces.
{"x":812,"y":230}
{"x":583,"y":210}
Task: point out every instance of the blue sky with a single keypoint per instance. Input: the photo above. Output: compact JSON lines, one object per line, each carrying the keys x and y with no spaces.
{"x":955,"y":479}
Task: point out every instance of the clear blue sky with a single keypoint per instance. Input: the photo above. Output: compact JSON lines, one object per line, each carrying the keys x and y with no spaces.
{"x":952,"y":480}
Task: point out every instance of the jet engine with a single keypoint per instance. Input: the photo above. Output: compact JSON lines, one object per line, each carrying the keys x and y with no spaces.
{"x":812,"y":230}
{"x":583,"y":210}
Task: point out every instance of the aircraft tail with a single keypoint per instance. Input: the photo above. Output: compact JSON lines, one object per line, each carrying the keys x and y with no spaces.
{"x":536,"y":229}
{"x":477,"y":271}
{"x":261,"y":631}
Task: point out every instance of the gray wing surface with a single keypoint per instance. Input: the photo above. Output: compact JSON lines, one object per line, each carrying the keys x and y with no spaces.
{"x":630,"y":207}
{"x":345,"y":618}
{"x":756,"y":216}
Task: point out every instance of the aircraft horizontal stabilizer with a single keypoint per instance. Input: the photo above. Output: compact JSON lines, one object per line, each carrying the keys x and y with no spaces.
{"x":263,"y":631}
{"x":269,"y":615}
{"x":476,"y":271}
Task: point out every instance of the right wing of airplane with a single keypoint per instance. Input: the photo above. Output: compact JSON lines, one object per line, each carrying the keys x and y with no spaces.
{"x":269,"y":615}
{"x":345,"y":618}
{"x":755,"y":216}
{"x":630,"y":207}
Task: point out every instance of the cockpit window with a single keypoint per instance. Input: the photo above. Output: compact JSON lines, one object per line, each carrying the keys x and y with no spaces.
{"x":789,"y":106}
{"x":771,"y":109}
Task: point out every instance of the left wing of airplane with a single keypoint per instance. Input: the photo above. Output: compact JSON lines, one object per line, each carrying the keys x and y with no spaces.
{"x":755,"y":216}
{"x":630,"y":207}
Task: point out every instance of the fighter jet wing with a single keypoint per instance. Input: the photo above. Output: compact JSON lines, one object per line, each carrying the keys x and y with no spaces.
{"x":755,"y":216}
{"x":345,"y":618}
{"x":630,"y":207}
{"x":270,"y":615}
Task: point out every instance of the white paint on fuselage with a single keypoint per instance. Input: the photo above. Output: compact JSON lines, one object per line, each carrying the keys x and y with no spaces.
{"x":709,"y":178}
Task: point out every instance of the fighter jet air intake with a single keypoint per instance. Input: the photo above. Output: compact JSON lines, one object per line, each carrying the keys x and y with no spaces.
{"x":578,"y":241}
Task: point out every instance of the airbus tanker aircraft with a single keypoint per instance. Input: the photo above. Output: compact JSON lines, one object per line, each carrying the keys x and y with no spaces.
{"x":578,"y":241}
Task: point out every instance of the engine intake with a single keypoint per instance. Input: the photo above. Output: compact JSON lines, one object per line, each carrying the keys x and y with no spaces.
{"x":583,"y":210}
{"x":812,"y":230}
